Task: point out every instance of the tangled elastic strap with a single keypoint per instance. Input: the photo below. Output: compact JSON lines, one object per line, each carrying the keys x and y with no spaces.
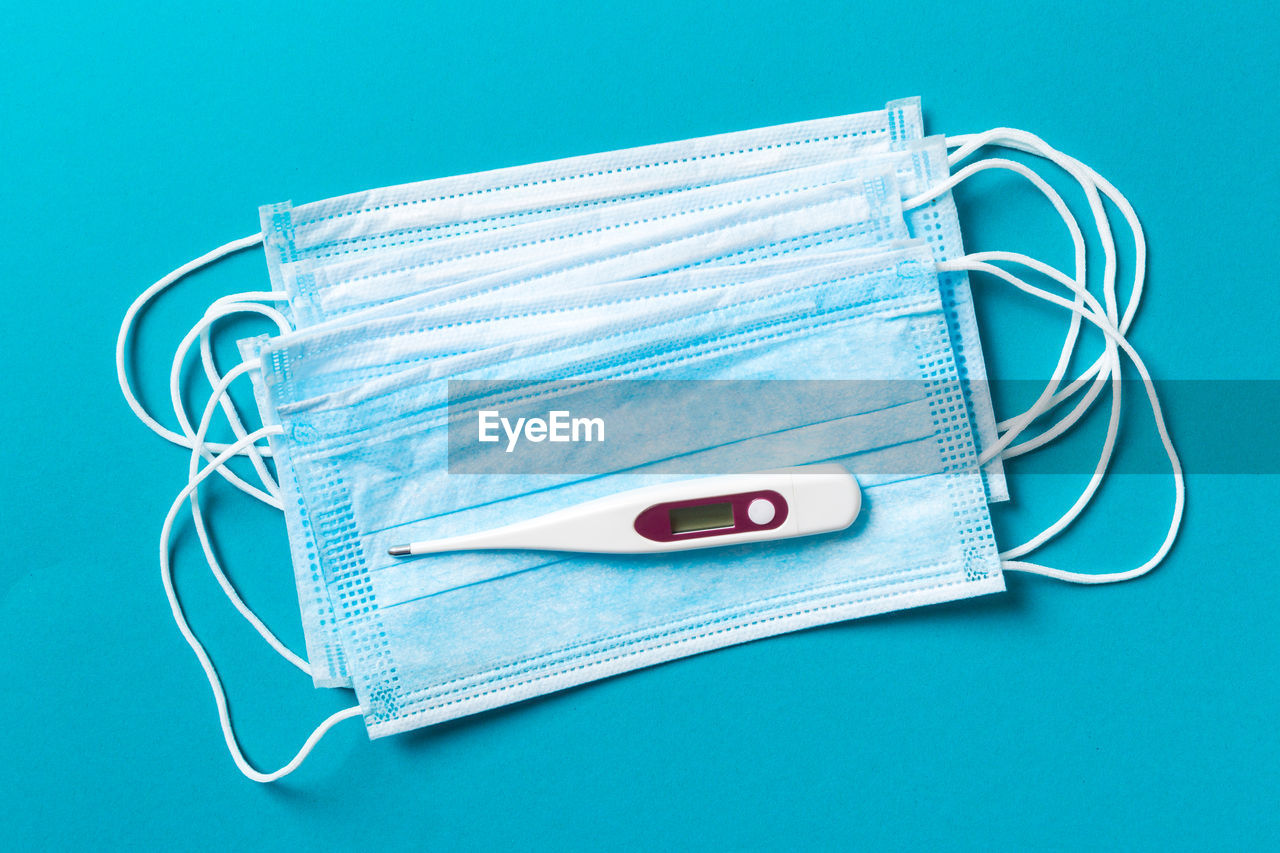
{"x":1083,"y":306}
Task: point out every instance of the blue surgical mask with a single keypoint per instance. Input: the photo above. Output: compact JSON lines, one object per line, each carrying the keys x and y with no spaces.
{"x":366,"y":342}
{"x":377,"y":347}
{"x":390,"y":216}
{"x":336,"y":367}
{"x":621,"y":241}
{"x":826,"y":202}
{"x":404,"y":629}
{"x":790,"y":214}
{"x":359,"y":432}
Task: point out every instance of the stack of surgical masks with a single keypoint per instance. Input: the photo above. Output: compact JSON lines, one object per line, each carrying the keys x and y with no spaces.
{"x":824,"y":251}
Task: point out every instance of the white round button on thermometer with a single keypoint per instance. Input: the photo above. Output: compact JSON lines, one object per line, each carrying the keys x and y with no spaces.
{"x":701,"y":513}
{"x":760,"y":511}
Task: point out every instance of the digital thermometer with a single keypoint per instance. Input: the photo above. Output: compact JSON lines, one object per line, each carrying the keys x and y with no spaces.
{"x":704,"y":513}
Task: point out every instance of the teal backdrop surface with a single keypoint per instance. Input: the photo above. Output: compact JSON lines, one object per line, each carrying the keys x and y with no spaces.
{"x":137,"y":136}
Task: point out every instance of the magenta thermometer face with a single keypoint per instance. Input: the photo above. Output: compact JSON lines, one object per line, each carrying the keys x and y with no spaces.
{"x":722,"y":515}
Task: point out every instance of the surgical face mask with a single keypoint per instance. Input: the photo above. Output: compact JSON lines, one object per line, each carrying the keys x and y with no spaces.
{"x":776,"y":212}
{"x":392,"y":216}
{"x":326,"y":287}
{"x":1107,"y":318}
{"x":618,"y":239}
{"x":863,"y":213}
{"x":412,"y":656}
{"x":866,"y":211}
{"x":355,"y":368}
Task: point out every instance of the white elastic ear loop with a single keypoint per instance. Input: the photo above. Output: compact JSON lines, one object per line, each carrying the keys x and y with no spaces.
{"x":131,"y":315}
{"x":215,"y":313}
{"x":223,"y":307}
{"x":197,"y":516}
{"x":226,"y":306}
{"x":1175,"y":464}
{"x":1048,"y":399}
{"x":233,"y":417}
{"x":1097,"y":317}
{"x":1091,"y":182}
{"x":210,"y":363}
{"x":1020,"y":140}
{"x":219,"y":694}
{"x":1043,"y":402}
{"x":1033,"y":144}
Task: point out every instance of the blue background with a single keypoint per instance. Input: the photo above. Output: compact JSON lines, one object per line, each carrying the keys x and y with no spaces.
{"x":138,"y":136}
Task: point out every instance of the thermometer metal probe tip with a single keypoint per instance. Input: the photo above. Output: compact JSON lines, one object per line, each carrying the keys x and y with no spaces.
{"x":400,"y":550}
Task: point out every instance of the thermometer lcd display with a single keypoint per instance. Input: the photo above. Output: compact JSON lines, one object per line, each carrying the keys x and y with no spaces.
{"x":687,"y":519}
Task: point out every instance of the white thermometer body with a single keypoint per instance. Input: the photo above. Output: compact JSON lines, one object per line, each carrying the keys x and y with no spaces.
{"x":702,"y":513}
